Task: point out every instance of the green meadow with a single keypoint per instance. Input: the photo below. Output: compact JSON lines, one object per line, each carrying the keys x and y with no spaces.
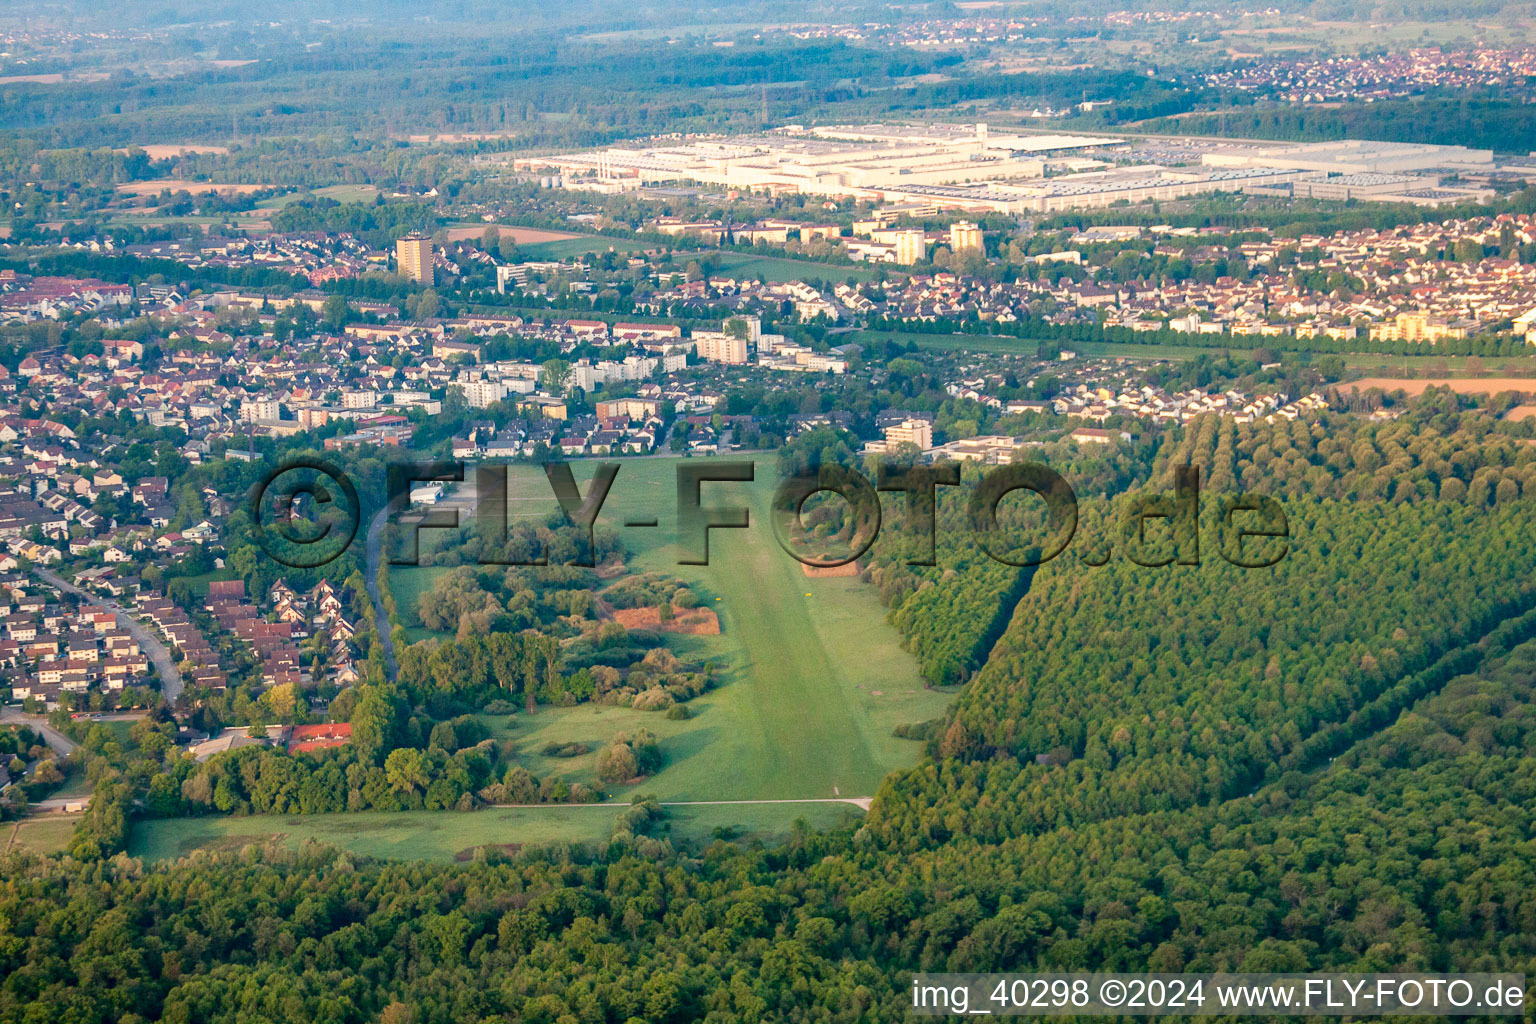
{"x":44,"y":833}
{"x":449,"y":835}
{"x":563,"y":248}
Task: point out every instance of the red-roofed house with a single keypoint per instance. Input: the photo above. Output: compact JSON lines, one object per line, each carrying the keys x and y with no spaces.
{"x":319,"y":737}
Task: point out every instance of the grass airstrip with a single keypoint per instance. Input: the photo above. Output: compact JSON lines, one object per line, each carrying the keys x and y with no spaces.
{"x":812,"y":681}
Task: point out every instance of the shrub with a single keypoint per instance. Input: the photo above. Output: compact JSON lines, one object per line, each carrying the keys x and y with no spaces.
{"x":572,"y":749}
{"x":616,"y":763}
{"x":654,"y":699}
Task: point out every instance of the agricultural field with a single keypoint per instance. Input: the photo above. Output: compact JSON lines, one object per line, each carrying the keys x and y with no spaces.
{"x":577,"y":245}
{"x":163,"y":151}
{"x":196,"y":188}
{"x":455,"y":835}
{"x":1442,"y":366}
{"x":1000,"y":345}
{"x":1460,"y":385}
{"x":1438,"y":365}
{"x":813,"y":678}
{"x":520,"y":235}
{"x":45,"y":833}
{"x":340,"y":193}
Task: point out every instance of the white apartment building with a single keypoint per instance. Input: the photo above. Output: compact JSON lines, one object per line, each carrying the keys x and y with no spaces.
{"x":256,"y":410}
{"x":479,"y":394}
{"x":720,"y":347}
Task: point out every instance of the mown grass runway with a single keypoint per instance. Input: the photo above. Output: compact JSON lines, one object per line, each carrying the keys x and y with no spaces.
{"x":813,"y":678}
{"x":812,"y":682}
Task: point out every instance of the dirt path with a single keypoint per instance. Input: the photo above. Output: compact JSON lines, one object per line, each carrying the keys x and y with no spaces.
{"x":861,"y":802}
{"x":375,"y":558}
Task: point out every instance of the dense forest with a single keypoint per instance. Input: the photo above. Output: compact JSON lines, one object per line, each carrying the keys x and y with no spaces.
{"x":340,"y":98}
{"x":1486,"y":120}
{"x":1410,"y":851}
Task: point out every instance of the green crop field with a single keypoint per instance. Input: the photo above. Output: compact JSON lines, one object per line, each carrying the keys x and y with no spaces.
{"x":566,"y":247}
{"x":75,"y":783}
{"x":445,"y":835}
{"x":813,"y":678}
{"x":348,"y":193}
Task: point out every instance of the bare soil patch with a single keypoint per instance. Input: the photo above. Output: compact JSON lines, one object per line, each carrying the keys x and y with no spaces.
{"x":1521,"y":412}
{"x":1462,"y":386}
{"x":55,"y":79}
{"x":196,"y":188}
{"x":160,"y":151}
{"x":820,"y":572}
{"x":522,"y":236}
{"x":694,"y":621}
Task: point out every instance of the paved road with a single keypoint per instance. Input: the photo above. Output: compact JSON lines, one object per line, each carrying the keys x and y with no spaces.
{"x":57,"y":741}
{"x":61,"y":745}
{"x":59,"y":803}
{"x":170,"y":676}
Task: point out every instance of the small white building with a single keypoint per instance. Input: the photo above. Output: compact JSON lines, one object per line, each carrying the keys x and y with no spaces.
{"x":429,"y":493}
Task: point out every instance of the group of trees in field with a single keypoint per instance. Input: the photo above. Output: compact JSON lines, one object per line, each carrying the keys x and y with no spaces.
{"x":483,"y":599}
{"x":459,"y":768}
{"x":550,"y":542}
{"x":541,"y":636}
{"x":378,"y":224}
{"x":629,"y":756}
{"x":398,"y":759}
{"x":609,"y":665}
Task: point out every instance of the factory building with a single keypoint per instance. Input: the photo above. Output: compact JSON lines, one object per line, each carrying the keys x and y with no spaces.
{"x":1352,"y":156}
